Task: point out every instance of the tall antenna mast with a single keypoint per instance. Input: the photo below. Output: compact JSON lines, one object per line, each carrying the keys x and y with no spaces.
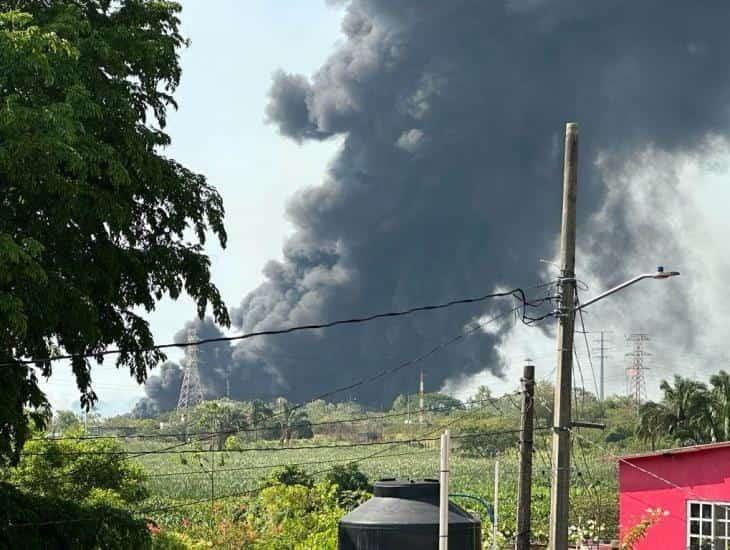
{"x":191,"y":391}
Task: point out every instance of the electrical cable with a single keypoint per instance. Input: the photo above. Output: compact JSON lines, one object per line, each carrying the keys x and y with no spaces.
{"x":515,"y":293}
{"x":234,"y":431}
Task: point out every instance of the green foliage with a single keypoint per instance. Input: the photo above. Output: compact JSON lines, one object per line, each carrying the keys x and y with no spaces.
{"x":286,"y":517}
{"x":432,"y":402}
{"x":353,"y":486}
{"x":97,"y":223}
{"x":292,"y":422}
{"x":293,"y":475}
{"x":94,"y":471}
{"x":482,"y":441}
{"x":64,"y":421}
{"x":348,"y":477}
{"x":37,"y":522}
{"x":689,"y":413}
{"x":225,"y":417}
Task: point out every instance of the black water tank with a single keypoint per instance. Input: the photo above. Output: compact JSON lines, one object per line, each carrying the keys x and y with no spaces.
{"x":403,"y":515}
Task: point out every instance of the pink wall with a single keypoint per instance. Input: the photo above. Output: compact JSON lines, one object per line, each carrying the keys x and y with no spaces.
{"x":702,"y":474}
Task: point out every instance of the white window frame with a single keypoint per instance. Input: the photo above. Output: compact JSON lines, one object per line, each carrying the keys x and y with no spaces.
{"x":711,"y":520}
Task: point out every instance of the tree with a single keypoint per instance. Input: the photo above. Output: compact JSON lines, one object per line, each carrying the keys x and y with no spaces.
{"x":258,"y":413}
{"x":223,"y":417}
{"x":65,"y":420}
{"x":441,"y":402}
{"x":688,"y":402}
{"x":654,"y":421}
{"x":80,"y":470}
{"x":481,"y":398}
{"x":293,"y":422}
{"x":97,"y":223}
{"x":720,"y":396}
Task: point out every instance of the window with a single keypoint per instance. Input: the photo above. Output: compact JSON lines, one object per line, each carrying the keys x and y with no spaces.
{"x":708,"y":525}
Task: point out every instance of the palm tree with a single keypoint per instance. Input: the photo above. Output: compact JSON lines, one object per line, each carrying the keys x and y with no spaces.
{"x":258,"y":413}
{"x":222,"y":418}
{"x":654,"y":420}
{"x":293,"y":421}
{"x":688,"y":402}
{"x":720,"y":395}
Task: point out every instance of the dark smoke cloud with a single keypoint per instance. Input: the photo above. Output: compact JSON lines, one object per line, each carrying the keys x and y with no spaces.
{"x":218,"y":364}
{"x":448,"y":180}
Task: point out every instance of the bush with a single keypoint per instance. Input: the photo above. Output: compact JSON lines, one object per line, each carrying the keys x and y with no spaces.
{"x":37,"y":522}
{"x":293,"y":475}
{"x":353,"y":486}
{"x":78,"y":469}
{"x":294,"y":518}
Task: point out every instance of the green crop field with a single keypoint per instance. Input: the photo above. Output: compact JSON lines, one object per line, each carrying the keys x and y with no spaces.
{"x":195,"y":477}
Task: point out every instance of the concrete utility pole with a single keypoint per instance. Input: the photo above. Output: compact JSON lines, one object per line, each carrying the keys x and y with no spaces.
{"x":444,"y":493}
{"x":559,"y":497}
{"x":602,"y":356}
{"x":420,"y":400}
{"x":495,"y":506}
{"x":524,"y":484}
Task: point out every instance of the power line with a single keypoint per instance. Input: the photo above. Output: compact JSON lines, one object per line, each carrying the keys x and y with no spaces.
{"x":517,"y":293}
{"x":588,"y":347}
{"x":234,"y":431}
{"x":249,"y":492}
{"x":268,"y":449}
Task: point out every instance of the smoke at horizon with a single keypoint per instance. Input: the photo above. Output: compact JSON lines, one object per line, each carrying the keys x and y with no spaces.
{"x":447,"y":184}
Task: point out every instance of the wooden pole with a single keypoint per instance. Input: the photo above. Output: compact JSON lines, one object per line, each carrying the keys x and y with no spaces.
{"x":524,"y":484}
{"x":559,"y":498}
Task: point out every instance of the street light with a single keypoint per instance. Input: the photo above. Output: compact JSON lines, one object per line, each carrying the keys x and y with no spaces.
{"x":660,"y":274}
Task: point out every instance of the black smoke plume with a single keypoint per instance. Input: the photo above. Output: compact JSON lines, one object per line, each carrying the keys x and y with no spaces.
{"x":447,"y":184}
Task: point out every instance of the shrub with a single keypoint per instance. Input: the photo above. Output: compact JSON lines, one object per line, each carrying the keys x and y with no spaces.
{"x":38,"y":522}
{"x":294,"y":518}
{"x":353,"y":486}
{"x":293,"y":475}
{"x":76,"y":469}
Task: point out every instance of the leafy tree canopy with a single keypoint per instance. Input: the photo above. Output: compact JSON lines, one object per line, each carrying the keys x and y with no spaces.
{"x":97,"y":223}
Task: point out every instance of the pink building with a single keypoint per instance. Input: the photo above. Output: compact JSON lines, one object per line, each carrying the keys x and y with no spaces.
{"x":689,"y":491}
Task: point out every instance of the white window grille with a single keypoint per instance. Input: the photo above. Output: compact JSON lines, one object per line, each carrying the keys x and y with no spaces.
{"x":708,"y":525}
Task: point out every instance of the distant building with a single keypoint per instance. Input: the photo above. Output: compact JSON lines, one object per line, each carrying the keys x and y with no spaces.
{"x":685,"y":490}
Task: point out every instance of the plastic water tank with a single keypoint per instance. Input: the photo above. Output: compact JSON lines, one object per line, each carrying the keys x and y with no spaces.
{"x":405,"y":514}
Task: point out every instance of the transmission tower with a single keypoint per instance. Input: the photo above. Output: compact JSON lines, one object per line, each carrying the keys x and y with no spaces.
{"x":635,"y":379}
{"x":191,"y":392}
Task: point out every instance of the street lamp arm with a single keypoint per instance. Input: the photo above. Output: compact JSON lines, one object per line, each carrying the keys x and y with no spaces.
{"x":660,"y":274}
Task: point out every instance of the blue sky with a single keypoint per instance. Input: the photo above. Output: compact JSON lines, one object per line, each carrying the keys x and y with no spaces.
{"x":220,"y":131}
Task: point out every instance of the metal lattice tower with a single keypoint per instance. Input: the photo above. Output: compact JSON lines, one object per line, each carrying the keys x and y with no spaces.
{"x":635,"y":379}
{"x":191,"y":391}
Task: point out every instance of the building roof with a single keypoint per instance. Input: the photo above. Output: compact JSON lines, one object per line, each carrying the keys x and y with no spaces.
{"x":679,"y":450}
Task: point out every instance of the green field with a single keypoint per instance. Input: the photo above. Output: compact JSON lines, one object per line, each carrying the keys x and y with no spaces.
{"x":179,"y":479}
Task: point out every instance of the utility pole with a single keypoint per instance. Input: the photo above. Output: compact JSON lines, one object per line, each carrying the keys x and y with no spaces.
{"x":444,"y":492}
{"x":559,"y":497}
{"x":602,"y":356}
{"x":420,"y":400}
{"x":524,"y":484}
{"x":495,"y":507}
